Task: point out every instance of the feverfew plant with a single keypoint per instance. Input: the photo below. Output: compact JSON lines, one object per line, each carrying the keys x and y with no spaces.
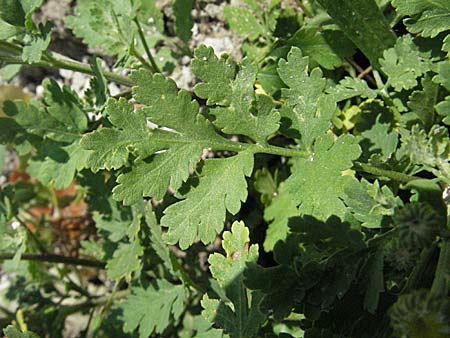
{"x":299,"y":192}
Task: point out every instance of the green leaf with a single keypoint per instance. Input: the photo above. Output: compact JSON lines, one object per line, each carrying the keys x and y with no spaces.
{"x":369,"y":203}
{"x":59,"y":165}
{"x":422,"y":102}
{"x":36,"y":44}
{"x":375,"y":280}
{"x":201,"y":215}
{"x":351,"y":87}
{"x":11,"y":11}
{"x":60,"y":118}
{"x":314,"y":45}
{"x":317,"y":184}
{"x":309,"y":110}
{"x":239,"y":110}
{"x":216,"y":74}
{"x":125,"y":261}
{"x":12,"y":332}
{"x":278,"y":213}
{"x":364,"y":24}
{"x":431,"y":152}
{"x":243,"y":21}
{"x":154,"y":308}
{"x":443,"y":109}
{"x":242,"y":317}
{"x":403,"y":64}
{"x":108,"y":24}
{"x":443,"y":74}
{"x":111,"y":146}
{"x":383,"y":140}
{"x":427,"y":17}
{"x":183,"y":20}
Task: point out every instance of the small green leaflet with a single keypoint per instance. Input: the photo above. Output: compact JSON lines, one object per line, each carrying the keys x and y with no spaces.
{"x":317,"y":184}
{"x":403,"y":64}
{"x":351,"y":87}
{"x":154,"y":308}
{"x":313,"y":44}
{"x":309,"y":110}
{"x":111,"y":146}
{"x":432,"y":151}
{"x":59,"y":165}
{"x":183,"y":20}
{"x":54,"y":127}
{"x":222,"y":186}
{"x":109,"y":24}
{"x":244,"y":22}
{"x":235,"y":97}
{"x":369,"y":203}
{"x":125,"y":261}
{"x":12,"y":332}
{"x":427,"y":17}
{"x":216,"y":74}
{"x":277,"y":214}
{"x":241,"y":318}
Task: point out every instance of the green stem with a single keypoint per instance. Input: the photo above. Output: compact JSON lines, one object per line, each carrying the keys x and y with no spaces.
{"x":10,"y":53}
{"x":36,"y":241}
{"x":416,"y":275}
{"x":394,"y":175}
{"x":441,"y":282}
{"x":67,"y":310}
{"x":379,"y":239}
{"x":146,"y":48}
{"x":52,"y":258}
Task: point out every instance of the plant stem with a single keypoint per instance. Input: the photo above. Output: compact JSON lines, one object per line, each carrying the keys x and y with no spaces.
{"x":441,"y":282}
{"x":11,"y":53}
{"x":56,"y":60}
{"x":146,"y":48}
{"x":394,"y":175}
{"x":36,"y":241}
{"x":417,"y":273}
{"x":52,"y":258}
{"x":67,"y":310}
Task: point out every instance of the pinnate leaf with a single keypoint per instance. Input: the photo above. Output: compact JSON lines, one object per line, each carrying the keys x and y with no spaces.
{"x":111,"y":146}
{"x":242,"y":317}
{"x":317,"y":184}
{"x":125,"y":260}
{"x":403,"y":64}
{"x":201,"y":215}
{"x":239,"y":111}
{"x":427,"y":17}
{"x":154,"y":308}
{"x":309,"y":110}
{"x":216,"y":75}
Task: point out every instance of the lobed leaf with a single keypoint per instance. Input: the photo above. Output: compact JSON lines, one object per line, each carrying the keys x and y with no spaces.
{"x":201,"y":215}
{"x":154,"y":308}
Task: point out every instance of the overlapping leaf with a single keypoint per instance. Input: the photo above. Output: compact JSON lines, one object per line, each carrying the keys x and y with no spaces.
{"x":242,"y":317}
{"x":309,"y":110}
{"x":222,"y":187}
{"x":427,"y":17}
{"x":109,"y":24}
{"x":403,"y":64}
{"x":154,"y":308}
{"x":239,"y":111}
{"x":317,"y":184}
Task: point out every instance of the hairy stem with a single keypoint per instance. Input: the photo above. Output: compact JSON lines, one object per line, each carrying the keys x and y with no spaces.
{"x":146,"y":48}
{"x":11,"y":54}
{"x":394,"y":175}
{"x":52,"y":258}
{"x":441,"y":282}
